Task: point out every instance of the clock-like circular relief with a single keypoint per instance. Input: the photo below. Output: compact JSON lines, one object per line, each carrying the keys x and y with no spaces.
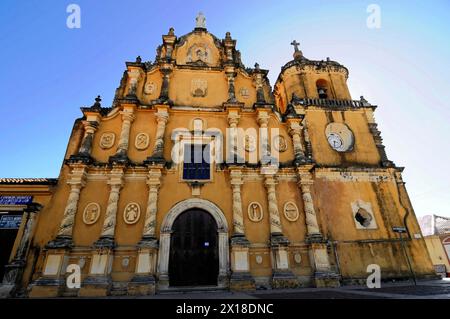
{"x":340,"y":137}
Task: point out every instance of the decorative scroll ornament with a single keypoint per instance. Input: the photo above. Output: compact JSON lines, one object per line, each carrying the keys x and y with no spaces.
{"x":131,"y":213}
{"x":255,"y":212}
{"x":280,"y":143}
{"x":91,"y":213}
{"x":107,"y":140}
{"x":291,"y":211}
{"x":142,"y":141}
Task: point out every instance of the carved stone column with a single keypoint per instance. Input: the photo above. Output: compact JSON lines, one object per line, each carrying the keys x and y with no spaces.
{"x":86,"y":145}
{"x":295,"y":131}
{"x":241,"y":278}
{"x":231,"y":90}
{"x":109,"y":223}
{"x":166,"y":70}
{"x":121,"y":155}
{"x":162,"y":117}
{"x":263,"y":121}
{"x":143,"y":283}
{"x":98,"y":282}
{"x":260,"y":99}
{"x":13,"y":271}
{"x":233,"y":120}
{"x":324,"y":276}
{"x":77,"y":181}
{"x":282,"y":276}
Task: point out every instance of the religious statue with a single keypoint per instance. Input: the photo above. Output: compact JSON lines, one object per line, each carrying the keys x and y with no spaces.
{"x":200,"y":21}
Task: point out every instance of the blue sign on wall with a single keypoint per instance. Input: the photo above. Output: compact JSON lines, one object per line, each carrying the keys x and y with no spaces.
{"x":10,"y":221}
{"x":15,"y":200}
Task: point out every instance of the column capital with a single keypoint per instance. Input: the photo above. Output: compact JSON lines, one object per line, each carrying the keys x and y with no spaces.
{"x":116,"y":177}
{"x":262,"y":118}
{"x":154,"y":177}
{"x":77,"y":177}
{"x":236,"y":177}
{"x":162,"y":116}
{"x":233,"y":117}
{"x":127,"y":115}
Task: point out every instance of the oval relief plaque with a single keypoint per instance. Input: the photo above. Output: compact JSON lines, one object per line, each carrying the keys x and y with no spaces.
{"x":107,"y":140}
{"x":255,"y":212}
{"x":131,"y":213}
{"x":91,"y":213}
{"x":291,"y":211}
{"x":142,"y":140}
{"x":280,"y":143}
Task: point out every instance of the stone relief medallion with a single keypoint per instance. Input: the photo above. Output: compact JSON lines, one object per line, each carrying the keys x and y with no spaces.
{"x":290,"y":211}
{"x":131,"y":213}
{"x":199,"y":87}
{"x":298,"y":258}
{"x":142,"y":140}
{"x":91,"y":213}
{"x":255,"y":212}
{"x":249,"y":143}
{"x":259,"y":259}
{"x":150,"y":88}
{"x":107,"y":140}
{"x":280,"y":143}
{"x":244,"y":92}
{"x":340,"y":137}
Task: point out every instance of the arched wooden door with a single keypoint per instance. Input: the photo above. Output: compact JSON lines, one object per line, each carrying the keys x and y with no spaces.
{"x":194,"y":259}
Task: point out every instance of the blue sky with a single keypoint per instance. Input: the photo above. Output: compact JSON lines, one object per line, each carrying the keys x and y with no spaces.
{"x":49,"y":70}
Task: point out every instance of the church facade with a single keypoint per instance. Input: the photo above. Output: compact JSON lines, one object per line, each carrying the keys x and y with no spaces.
{"x":202,"y":174}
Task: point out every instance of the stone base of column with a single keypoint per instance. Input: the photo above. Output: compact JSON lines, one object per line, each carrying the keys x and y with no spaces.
{"x":142,"y":285}
{"x":327,"y":280}
{"x":12,"y":278}
{"x":242,"y":281}
{"x":162,"y":282}
{"x":59,"y":242}
{"x":80,"y":158}
{"x":284,"y":278}
{"x":52,"y":282}
{"x":155,"y":159}
{"x":96,"y":286}
{"x":47,"y":287}
{"x":119,"y":158}
{"x":99,"y":283}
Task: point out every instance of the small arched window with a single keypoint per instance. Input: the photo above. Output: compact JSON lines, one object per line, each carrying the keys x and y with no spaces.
{"x":322,"y":89}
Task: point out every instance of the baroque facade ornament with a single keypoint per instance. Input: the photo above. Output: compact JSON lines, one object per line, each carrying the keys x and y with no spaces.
{"x":142,"y":141}
{"x":280,"y":143}
{"x":290,"y":211}
{"x":244,"y":93}
{"x":150,"y":88}
{"x":199,"y":87}
{"x":199,"y":53}
{"x":131,"y":213}
{"x":91,"y":213}
{"x":107,"y":140}
{"x":255,"y":212}
{"x":249,"y":143}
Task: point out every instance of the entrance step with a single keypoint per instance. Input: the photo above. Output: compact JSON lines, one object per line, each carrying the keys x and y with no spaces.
{"x":190,"y":289}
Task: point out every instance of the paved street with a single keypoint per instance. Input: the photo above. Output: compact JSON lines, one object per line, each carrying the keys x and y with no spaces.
{"x":436,"y":289}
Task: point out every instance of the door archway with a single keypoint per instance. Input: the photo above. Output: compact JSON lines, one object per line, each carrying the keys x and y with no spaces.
{"x":194,"y":258}
{"x":167,"y":229}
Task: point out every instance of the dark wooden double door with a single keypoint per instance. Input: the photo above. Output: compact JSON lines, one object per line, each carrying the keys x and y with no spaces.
{"x":194,"y":259}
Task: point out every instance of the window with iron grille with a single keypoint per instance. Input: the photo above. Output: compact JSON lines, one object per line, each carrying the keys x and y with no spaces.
{"x":196,"y":163}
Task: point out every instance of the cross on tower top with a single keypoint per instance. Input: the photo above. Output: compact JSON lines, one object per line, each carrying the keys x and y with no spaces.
{"x":295,"y":44}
